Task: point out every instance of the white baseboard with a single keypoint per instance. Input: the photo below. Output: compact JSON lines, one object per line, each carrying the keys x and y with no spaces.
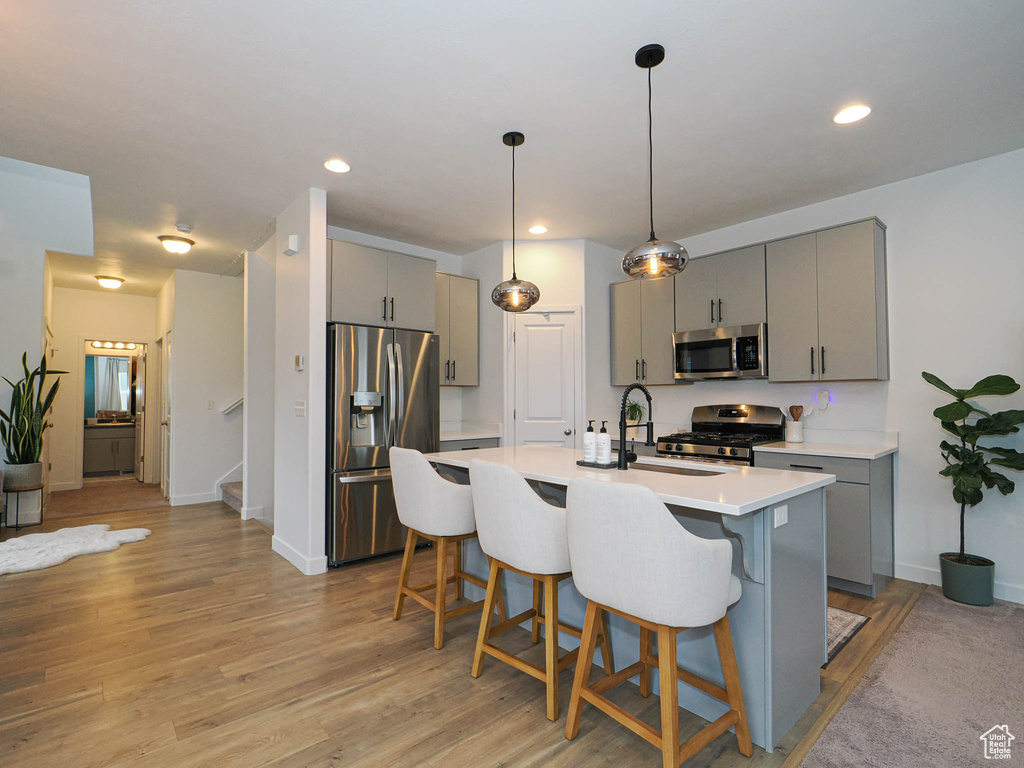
{"x":193,"y":498}
{"x":310,"y":566}
{"x":1013,"y":593}
{"x":69,"y":486}
{"x":248,"y":513}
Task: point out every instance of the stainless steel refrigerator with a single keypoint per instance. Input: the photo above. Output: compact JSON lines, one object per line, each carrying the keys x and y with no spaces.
{"x":383,"y":392}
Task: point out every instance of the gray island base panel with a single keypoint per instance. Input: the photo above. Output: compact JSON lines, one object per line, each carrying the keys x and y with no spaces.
{"x":778,"y":625}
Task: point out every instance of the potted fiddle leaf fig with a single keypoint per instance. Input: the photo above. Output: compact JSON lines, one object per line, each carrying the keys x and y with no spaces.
{"x":23,"y":425}
{"x":972,"y":466}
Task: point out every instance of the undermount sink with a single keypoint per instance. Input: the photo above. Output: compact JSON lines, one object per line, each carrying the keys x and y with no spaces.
{"x":674,"y":470}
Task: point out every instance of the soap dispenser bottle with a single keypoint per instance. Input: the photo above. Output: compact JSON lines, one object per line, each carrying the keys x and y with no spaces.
{"x":590,"y":443}
{"x":604,"y":445}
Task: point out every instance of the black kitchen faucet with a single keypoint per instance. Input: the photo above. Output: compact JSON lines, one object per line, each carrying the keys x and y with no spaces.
{"x":623,"y":453}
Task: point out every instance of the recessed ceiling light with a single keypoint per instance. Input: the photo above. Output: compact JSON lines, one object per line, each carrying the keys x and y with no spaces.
{"x":852,"y":114}
{"x":538,"y":229}
{"x":176,"y":244}
{"x":337,"y":165}
{"x":109,"y":282}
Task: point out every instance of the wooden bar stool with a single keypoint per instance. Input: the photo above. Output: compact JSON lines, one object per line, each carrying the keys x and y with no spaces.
{"x":665,"y":579}
{"x":524,"y":534}
{"x":442,"y":512}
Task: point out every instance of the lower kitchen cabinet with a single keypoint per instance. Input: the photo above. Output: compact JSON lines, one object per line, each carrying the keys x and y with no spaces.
{"x":108,"y":450}
{"x":858,"y":509}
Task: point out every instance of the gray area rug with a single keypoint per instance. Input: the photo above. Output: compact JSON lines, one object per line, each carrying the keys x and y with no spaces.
{"x":842,"y":626}
{"x":950,"y":674}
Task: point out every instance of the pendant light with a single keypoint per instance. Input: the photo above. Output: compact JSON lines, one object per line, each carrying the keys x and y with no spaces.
{"x":514,"y":295}
{"x":655,"y":258}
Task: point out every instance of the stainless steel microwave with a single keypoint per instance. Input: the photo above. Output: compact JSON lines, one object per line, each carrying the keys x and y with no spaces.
{"x":738,"y":352}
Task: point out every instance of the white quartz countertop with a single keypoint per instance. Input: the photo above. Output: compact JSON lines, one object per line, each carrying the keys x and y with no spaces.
{"x":732,"y":490}
{"x":835,"y":450}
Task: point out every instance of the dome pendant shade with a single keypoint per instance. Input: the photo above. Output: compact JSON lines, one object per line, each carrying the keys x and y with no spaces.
{"x":515,"y":295}
{"x":655,"y":258}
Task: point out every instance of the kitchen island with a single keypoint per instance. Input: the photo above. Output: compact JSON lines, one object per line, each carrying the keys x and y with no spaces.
{"x":776,"y":522}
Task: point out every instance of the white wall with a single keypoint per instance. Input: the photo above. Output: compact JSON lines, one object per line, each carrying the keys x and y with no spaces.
{"x":955,"y":279}
{"x":258,"y":410}
{"x":41,"y":209}
{"x":79,"y":316}
{"x":206,"y":445}
{"x":300,"y":444}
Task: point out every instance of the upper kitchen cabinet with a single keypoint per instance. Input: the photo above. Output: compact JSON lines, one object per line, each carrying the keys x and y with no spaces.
{"x":374,"y":287}
{"x":641,"y":332}
{"x":827,"y":318}
{"x":457,"y":325}
{"x":722,"y":290}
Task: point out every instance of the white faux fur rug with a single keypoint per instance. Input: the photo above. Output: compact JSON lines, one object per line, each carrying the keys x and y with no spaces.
{"x":42,"y":550}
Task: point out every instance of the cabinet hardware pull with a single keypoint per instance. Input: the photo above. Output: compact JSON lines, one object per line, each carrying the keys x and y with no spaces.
{"x":453,"y":370}
{"x":804,"y":466}
{"x":447,"y":363}
{"x":812,"y":361}
{"x":384,"y":308}
{"x":392,"y":307}
{"x":643,"y":369}
{"x":719,"y":310}
{"x":712,"y":311}
{"x":822,"y":360}
{"x":638,"y":369}
{"x":567,"y":432}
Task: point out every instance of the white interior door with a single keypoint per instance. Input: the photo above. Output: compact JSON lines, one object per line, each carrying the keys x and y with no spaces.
{"x":165,"y":417}
{"x":545,"y":378}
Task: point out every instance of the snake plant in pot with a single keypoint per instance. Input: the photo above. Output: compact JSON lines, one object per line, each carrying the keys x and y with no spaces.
{"x":972,"y":467}
{"x":23,"y":424}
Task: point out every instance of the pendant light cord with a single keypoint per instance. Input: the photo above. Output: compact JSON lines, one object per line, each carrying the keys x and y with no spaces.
{"x":513,"y":211}
{"x":650,"y":153}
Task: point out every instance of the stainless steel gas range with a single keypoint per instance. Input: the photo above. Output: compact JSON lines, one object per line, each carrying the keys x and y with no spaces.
{"x":725,"y":434}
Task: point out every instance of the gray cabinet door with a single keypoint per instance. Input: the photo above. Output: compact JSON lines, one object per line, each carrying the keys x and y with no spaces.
{"x":359,"y":284}
{"x":464,"y":303}
{"x":625,"y":332}
{"x":656,"y":322}
{"x":441,"y":316}
{"x":124,"y":454}
{"x":696,"y":289}
{"x":410,"y":300}
{"x":848,"y":524}
{"x":97,"y":455}
{"x":847,"y":337}
{"x":741,"y":287}
{"x":792,"y":280}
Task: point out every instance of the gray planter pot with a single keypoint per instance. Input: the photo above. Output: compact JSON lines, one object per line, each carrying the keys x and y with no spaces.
{"x":22,"y":475}
{"x":968,"y":583}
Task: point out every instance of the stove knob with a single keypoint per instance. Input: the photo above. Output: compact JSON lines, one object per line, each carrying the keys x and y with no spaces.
{"x":679,"y":446}
{"x":721,"y":451}
{"x":733,"y":452}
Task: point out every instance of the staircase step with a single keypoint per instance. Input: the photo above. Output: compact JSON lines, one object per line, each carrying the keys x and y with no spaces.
{"x":232,"y":495}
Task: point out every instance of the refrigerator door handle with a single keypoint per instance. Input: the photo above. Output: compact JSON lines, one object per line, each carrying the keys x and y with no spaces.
{"x":389,"y":423}
{"x":370,"y":476}
{"x":400,"y":387}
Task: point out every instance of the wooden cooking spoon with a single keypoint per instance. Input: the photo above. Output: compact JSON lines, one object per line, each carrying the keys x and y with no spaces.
{"x":796,"y":411}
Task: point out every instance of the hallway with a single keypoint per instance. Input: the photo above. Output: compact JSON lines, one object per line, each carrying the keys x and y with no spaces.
{"x":101,"y":495}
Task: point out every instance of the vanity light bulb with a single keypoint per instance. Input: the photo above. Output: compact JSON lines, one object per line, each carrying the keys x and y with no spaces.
{"x":119,"y":345}
{"x":108,"y":344}
{"x":131,"y":345}
{"x":97,"y":344}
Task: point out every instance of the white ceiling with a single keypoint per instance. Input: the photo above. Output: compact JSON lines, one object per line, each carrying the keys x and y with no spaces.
{"x":220,"y":114}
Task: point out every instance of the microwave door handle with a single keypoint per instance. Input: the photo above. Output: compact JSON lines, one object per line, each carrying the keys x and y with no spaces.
{"x":735,"y":357}
{"x":399,"y":388}
{"x":389,"y":420}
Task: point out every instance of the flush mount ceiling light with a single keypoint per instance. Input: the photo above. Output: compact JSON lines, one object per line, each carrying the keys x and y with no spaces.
{"x":655,"y":258}
{"x":176,"y":244}
{"x":538,"y":229}
{"x":109,"y":282}
{"x":852,"y":114}
{"x":514,"y":295}
{"x":337,"y":165}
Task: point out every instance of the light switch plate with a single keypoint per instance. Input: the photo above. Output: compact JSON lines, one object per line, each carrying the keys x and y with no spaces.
{"x":300,"y":408}
{"x":781,"y":515}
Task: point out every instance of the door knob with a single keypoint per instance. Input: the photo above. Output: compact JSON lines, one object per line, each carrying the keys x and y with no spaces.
{"x":568,"y":432}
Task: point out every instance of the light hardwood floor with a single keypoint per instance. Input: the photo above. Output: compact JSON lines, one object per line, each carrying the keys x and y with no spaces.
{"x":200,"y":647}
